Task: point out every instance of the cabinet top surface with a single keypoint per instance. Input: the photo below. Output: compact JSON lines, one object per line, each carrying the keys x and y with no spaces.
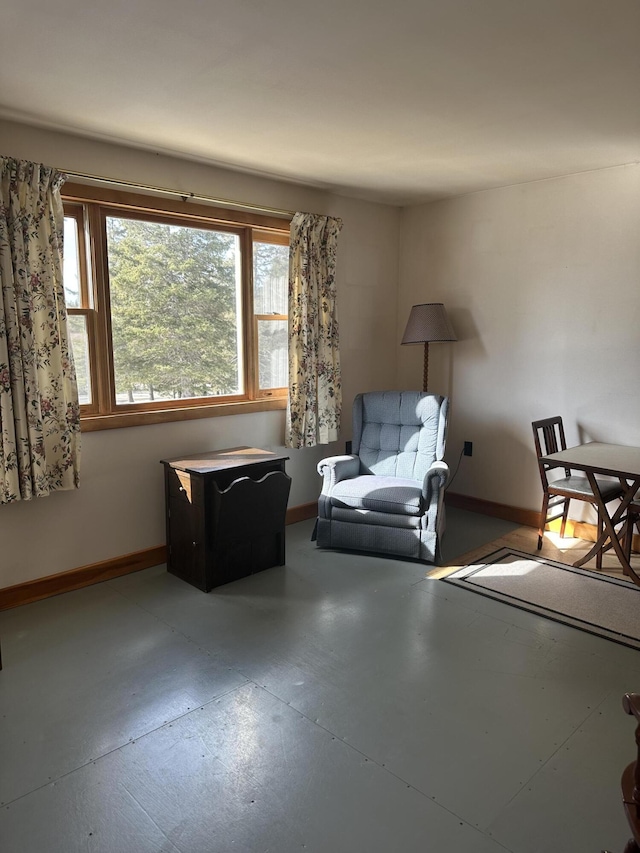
{"x":219,"y":460}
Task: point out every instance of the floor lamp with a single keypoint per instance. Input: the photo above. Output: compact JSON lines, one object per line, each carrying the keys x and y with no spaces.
{"x":427,"y":324}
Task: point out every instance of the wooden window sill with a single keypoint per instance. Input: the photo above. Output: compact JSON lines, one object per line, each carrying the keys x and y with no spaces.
{"x":119,"y":420}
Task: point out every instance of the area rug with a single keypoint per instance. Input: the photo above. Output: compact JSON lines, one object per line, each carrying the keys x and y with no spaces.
{"x":592,"y":602}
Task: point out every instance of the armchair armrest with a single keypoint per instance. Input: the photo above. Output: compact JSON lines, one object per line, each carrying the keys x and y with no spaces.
{"x":435,"y":480}
{"x":336,"y":468}
{"x":433,"y":496}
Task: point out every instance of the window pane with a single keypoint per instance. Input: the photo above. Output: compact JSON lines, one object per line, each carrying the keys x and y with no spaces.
{"x":270,"y":278}
{"x":175,"y":311}
{"x":71,"y":263}
{"x":273,"y":354}
{"x":77,"y":324}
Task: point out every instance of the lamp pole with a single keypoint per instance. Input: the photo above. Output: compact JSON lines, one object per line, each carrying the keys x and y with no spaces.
{"x":425,"y":372}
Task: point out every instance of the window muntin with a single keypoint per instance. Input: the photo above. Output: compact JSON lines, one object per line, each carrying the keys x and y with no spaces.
{"x":162,"y":309}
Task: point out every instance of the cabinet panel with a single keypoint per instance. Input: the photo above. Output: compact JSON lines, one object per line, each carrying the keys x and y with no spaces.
{"x":186,"y":545}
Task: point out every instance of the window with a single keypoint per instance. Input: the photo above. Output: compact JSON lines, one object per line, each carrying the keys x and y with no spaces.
{"x":176,"y":310}
{"x":270,"y":294}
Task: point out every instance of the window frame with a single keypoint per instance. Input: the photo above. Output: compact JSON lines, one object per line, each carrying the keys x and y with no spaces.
{"x":90,"y":205}
{"x":77,"y":212}
{"x":263,"y":393}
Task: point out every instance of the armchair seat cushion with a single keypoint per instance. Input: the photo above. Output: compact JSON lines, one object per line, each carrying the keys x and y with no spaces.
{"x":396,"y":495}
{"x":378,"y":519}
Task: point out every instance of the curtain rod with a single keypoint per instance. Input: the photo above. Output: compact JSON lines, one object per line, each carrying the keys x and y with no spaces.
{"x":185,"y":196}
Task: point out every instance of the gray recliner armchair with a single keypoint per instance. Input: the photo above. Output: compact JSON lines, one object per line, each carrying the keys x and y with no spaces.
{"x":388,"y":495}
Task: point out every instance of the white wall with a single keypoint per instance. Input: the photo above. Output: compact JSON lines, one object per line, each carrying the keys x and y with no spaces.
{"x":119,"y":506}
{"x":542,"y":283}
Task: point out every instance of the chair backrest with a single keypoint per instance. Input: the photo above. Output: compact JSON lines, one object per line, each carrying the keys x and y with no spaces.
{"x":399,"y":433}
{"x":548,"y":435}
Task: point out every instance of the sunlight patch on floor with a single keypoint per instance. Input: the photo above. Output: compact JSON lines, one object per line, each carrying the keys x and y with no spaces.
{"x":562,"y":544}
{"x":511,"y":569}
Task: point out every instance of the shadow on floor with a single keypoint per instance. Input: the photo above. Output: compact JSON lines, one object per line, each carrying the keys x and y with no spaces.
{"x":469,"y":530}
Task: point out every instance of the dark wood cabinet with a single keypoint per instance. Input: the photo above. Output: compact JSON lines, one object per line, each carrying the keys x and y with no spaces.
{"x":225,"y":514}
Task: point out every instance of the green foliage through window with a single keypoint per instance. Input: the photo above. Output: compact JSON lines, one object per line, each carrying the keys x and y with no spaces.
{"x":175,"y":295}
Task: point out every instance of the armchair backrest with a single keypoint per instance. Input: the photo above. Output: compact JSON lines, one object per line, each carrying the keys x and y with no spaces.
{"x":399,"y":433}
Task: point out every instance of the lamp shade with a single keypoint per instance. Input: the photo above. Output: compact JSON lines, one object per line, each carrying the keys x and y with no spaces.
{"x":427,"y":323}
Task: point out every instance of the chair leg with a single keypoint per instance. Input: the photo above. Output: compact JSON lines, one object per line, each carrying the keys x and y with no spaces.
{"x":600,"y":530}
{"x":565,"y":515}
{"x":628,"y":536}
{"x":543,"y":518}
{"x":631,"y":522}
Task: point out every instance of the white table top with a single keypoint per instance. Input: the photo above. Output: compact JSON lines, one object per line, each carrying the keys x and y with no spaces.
{"x":600,"y":458}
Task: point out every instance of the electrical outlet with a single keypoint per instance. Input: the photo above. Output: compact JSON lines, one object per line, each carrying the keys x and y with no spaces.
{"x":468,"y":448}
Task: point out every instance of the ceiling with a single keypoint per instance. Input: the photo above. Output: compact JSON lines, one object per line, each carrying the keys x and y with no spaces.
{"x":401,"y":101}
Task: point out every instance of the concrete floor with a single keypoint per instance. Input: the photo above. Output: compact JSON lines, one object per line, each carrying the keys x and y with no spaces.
{"x":339,"y":703}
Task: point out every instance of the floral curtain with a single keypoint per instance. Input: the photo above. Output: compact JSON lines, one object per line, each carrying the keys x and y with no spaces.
{"x":39,"y":413}
{"x":315,"y":386}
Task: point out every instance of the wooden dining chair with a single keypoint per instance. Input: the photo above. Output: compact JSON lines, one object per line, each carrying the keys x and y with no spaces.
{"x":630,"y":782}
{"x":548,"y":435}
{"x":631,"y":778}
